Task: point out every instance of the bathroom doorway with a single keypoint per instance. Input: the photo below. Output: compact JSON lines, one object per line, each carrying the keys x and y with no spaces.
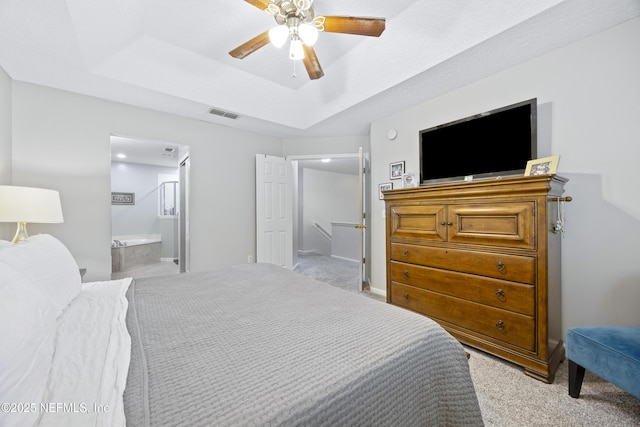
{"x":149,"y":207}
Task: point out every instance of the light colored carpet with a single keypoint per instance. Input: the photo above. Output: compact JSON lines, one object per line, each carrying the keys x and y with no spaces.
{"x":510,"y":398}
{"x":335,"y":271}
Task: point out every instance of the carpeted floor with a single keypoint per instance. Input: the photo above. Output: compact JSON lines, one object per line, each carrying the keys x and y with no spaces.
{"x":335,"y":271}
{"x":510,"y":398}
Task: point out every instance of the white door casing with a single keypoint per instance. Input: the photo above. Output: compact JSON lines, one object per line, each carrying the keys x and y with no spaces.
{"x":363,"y":224}
{"x":184,"y":254}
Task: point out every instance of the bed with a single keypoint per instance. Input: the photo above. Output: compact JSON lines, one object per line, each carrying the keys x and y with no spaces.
{"x":246,"y":345}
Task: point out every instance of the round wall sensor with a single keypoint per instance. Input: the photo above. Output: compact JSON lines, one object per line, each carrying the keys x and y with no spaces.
{"x":392,"y":134}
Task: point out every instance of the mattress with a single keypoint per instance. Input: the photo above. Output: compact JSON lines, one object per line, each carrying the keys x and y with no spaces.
{"x":260,"y":345}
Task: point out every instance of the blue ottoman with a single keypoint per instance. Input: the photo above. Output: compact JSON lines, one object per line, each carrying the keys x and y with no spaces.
{"x":610,"y":352}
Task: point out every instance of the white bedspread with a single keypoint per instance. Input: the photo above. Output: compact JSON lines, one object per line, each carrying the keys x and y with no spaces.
{"x":91,"y":359}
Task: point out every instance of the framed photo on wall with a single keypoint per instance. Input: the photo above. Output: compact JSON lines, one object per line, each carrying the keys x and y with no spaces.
{"x":384,"y":187}
{"x":396,"y":170}
{"x":543,"y":166}
{"x":123,"y":198}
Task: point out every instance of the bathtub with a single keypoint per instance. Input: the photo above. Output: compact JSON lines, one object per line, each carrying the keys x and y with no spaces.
{"x":129,"y":252}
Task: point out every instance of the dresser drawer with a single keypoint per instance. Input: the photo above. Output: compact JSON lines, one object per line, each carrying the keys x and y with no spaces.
{"x":512,"y":328}
{"x":515,"y":268}
{"x":484,"y":290}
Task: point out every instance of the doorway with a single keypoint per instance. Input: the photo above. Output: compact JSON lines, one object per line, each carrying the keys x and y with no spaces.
{"x":329,"y":219}
{"x":149,"y":235}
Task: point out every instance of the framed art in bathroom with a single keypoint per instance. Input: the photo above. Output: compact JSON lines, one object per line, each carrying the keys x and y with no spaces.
{"x":123,"y":198}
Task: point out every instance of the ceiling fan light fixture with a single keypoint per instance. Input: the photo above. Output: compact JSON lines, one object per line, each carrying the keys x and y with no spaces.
{"x":296,"y":51}
{"x":303,"y":4}
{"x":318,"y":22}
{"x":278,"y":35}
{"x":308,"y":33}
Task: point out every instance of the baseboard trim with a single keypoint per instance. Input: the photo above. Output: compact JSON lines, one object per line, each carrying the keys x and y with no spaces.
{"x":379,"y":292}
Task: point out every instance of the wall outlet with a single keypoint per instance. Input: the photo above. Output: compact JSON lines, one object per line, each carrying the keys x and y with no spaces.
{"x":250,"y":259}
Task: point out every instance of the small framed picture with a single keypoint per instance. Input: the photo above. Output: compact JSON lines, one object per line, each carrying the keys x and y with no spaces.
{"x":543,"y":166}
{"x":384,"y":187}
{"x":396,"y":170}
{"x":409,"y":180}
{"x":123,"y":198}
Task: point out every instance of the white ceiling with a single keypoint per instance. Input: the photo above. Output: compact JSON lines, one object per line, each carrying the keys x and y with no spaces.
{"x":172,"y":55}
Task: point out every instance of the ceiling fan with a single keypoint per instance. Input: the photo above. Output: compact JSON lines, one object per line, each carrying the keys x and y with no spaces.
{"x":296,"y":19}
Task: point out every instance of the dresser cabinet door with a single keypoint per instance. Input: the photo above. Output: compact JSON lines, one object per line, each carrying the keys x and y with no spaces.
{"x":425,"y":222}
{"x":497,"y":224}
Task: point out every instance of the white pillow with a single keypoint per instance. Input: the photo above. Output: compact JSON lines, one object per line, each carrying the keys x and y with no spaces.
{"x":27,"y":335}
{"x":49,"y":265}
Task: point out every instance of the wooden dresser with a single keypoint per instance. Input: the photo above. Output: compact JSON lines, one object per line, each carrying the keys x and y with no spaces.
{"x":482,"y":258}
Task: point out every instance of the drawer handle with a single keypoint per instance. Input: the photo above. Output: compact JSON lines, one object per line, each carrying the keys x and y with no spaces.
{"x":500,"y":325}
{"x":406,"y":297}
{"x":405,"y":274}
{"x":500,"y":294}
{"x":500,"y":267}
{"x":405,"y":252}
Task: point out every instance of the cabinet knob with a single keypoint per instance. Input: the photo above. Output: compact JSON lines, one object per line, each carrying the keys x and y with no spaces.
{"x":446,"y":223}
{"x":405,"y":274}
{"x":405,"y":252}
{"x":500,"y":267}
{"x":500,"y":294}
{"x":500,"y":325}
{"x":406,"y":297}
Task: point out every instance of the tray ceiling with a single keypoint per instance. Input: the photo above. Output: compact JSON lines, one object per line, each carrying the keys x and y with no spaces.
{"x":173,"y":55}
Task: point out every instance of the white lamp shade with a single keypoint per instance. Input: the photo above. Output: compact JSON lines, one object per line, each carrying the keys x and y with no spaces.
{"x":278,"y":35}
{"x":27,"y":204}
{"x":308,"y":33}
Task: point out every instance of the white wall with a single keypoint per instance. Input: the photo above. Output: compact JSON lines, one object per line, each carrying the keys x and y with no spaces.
{"x":589,"y":92}
{"x":5,"y":128}
{"x":61,"y":141}
{"x":329,"y":145}
{"x":5,"y":140}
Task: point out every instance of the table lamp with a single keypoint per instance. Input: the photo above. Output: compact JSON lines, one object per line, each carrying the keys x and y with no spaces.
{"x":27,"y":204}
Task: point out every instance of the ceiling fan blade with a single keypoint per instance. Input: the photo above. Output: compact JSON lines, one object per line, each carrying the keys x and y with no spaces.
{"x":251,"y":46}
{"x":260,"y":4}
{"x":311,"y":63}
{"x":354,"y":25}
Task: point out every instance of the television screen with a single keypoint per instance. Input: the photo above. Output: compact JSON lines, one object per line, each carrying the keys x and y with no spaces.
{"x":495,"y":143}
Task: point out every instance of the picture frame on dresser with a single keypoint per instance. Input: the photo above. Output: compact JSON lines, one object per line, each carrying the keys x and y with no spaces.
{"x":384,"y":187}
{"x":542,"y":166}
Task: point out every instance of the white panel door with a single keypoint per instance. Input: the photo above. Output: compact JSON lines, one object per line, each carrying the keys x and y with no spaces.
{"x":274,"y":211}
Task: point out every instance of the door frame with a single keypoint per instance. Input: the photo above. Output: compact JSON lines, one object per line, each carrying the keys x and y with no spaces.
{"x":365,"y":273}
{"x":184,"y":238}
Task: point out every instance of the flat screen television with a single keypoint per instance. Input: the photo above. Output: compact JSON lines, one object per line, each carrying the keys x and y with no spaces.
{"x":495,"y":143}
